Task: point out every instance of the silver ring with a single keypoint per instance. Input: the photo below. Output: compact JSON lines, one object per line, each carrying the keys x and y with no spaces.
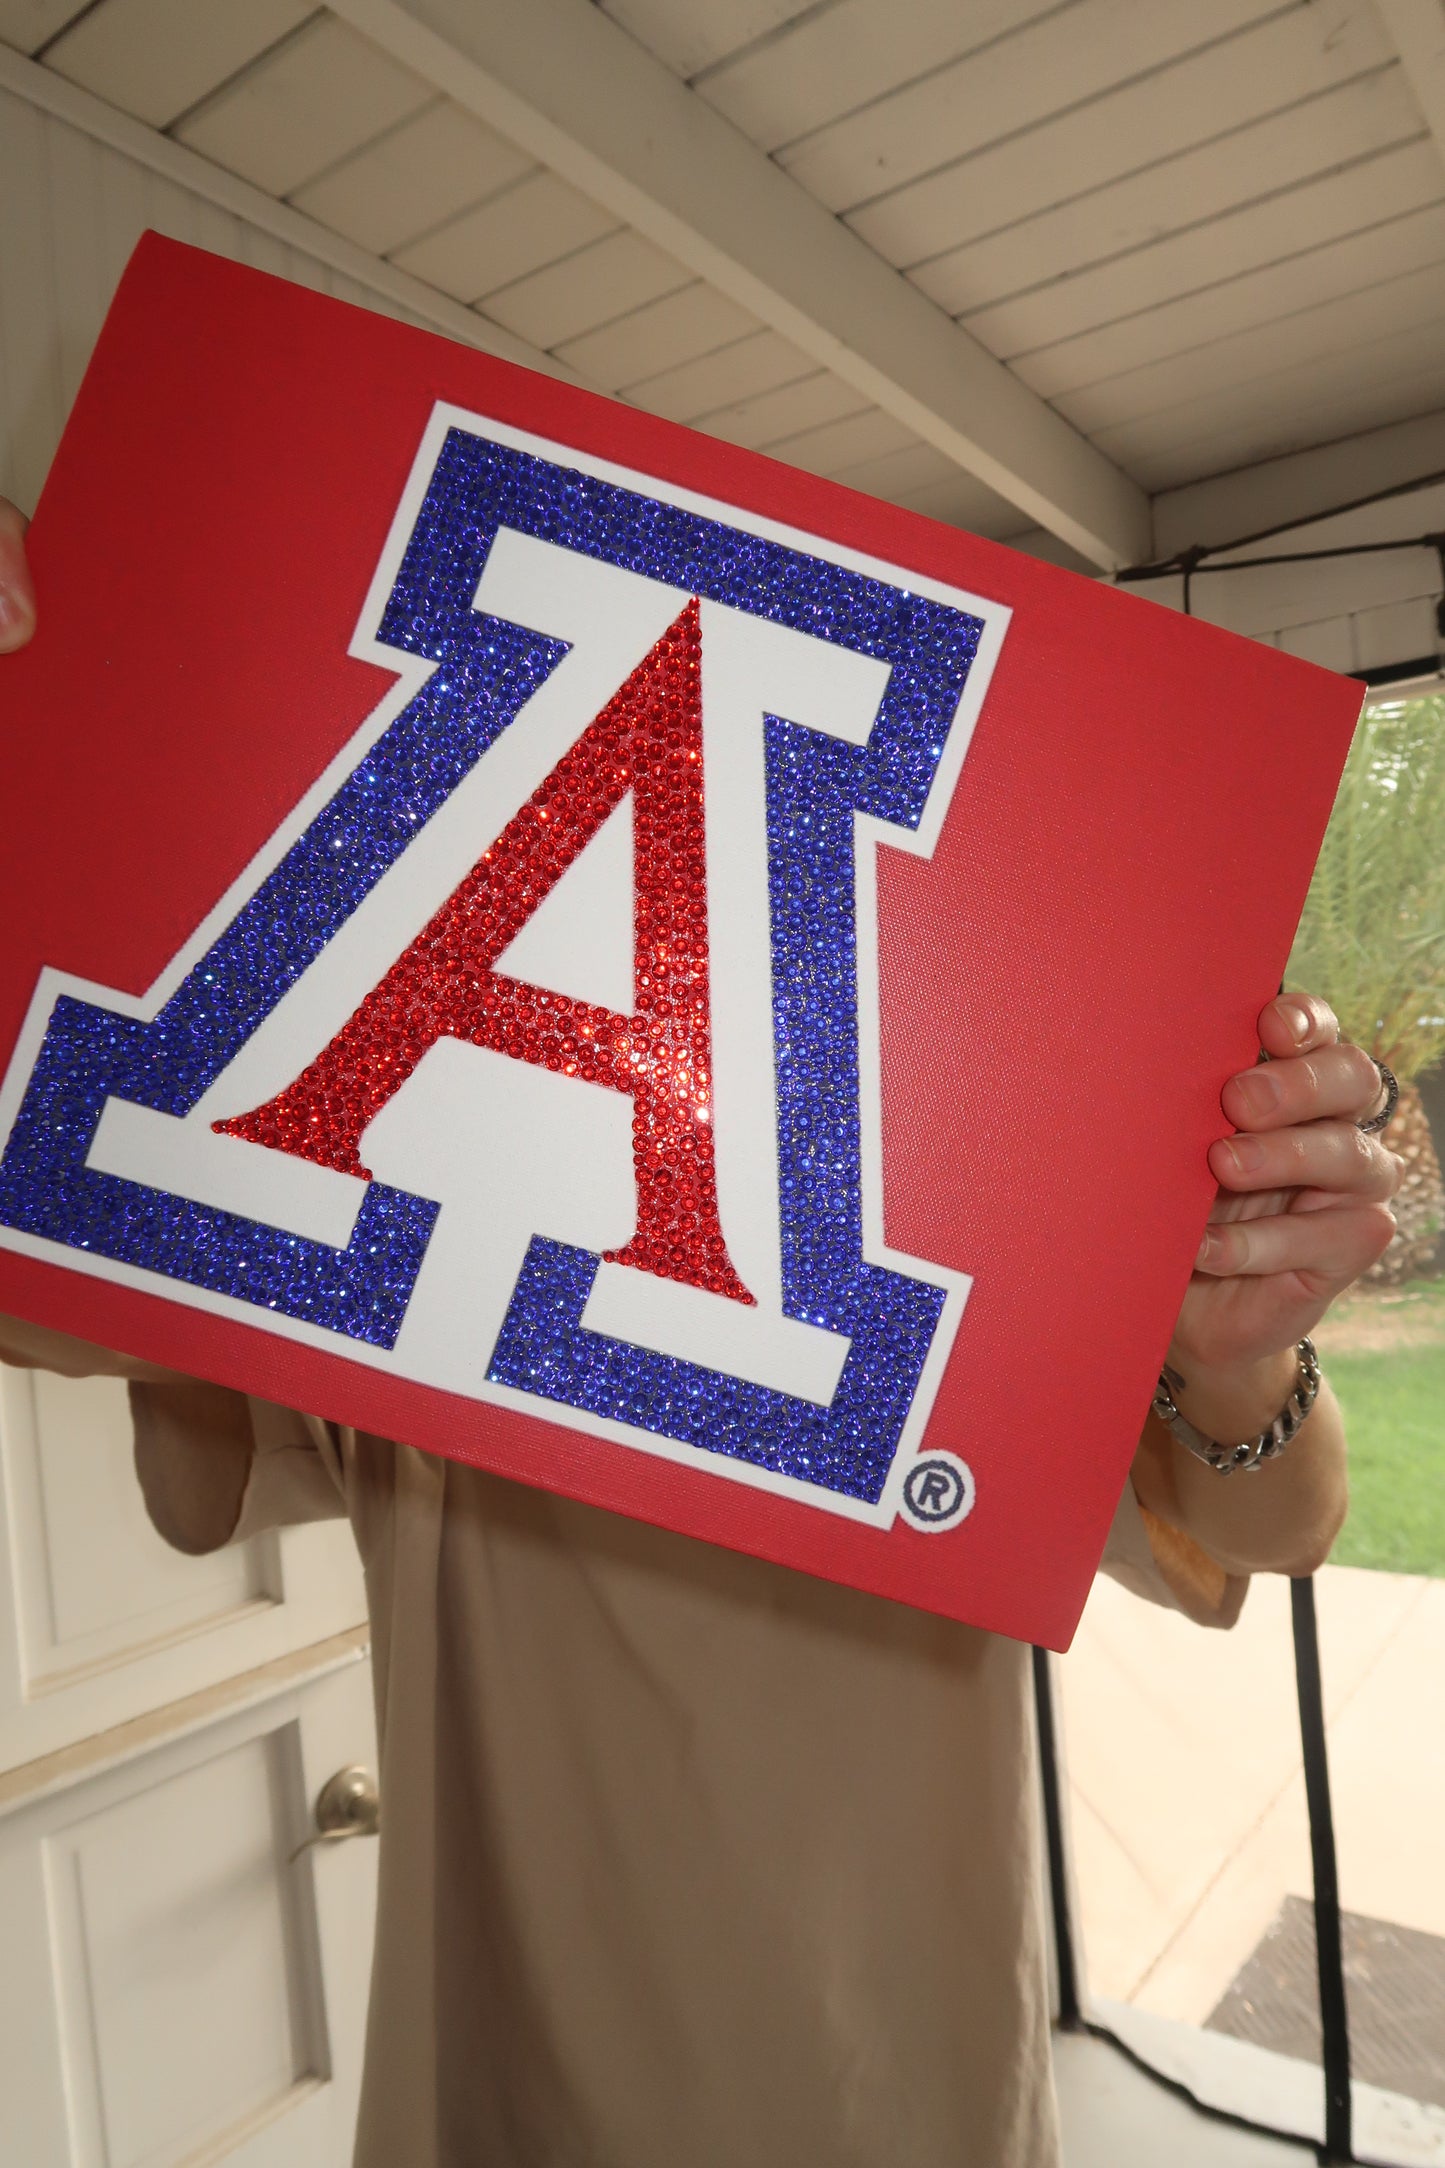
{"x":1392,"y":1100}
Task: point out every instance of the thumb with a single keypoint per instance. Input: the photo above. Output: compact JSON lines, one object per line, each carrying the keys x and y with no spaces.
{"x":17,"y":589}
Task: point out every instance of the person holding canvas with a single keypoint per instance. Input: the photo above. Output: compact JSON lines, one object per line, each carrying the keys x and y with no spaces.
{"x":689,"y":1858}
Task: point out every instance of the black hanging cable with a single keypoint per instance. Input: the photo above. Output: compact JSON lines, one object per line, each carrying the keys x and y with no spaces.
{"x":1337,"y":511}
{"x":1186,"y":564}
{"x":1189,"y":564}
{"x":1188,"y":561}
{"x":1192,"y":561}
{"x":1072,"y":2017}
{"x":1329,"y":1947}
{"x":1064,"y":1965}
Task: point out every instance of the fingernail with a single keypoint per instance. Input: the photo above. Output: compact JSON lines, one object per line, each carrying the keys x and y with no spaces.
{"x":1299,"y":1020}
{"x":1209,"y":1250}
{"x":16,"y":613}
{"x":1247,"y":1152}
{"x":1259,"y":1090}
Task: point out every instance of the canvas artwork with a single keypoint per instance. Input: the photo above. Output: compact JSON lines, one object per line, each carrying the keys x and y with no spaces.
{"x":548,"y":938}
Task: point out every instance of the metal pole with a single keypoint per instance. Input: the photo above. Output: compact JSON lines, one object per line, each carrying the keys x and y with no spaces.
{"x":1068,"y":1976}
{"x":1329,"y":1949}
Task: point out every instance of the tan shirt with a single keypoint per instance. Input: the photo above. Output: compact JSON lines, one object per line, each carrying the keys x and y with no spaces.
{"x":689,"y":1861}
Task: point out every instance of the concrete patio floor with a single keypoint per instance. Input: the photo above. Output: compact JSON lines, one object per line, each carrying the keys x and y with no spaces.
{"x":1113,"y":2116}
{"x":1185,"y":1790}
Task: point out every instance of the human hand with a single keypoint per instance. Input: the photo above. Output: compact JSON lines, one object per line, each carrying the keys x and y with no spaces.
{"x":16,"y":584}
{"x":1303,"y":1203}
{"x":1302,"y":1210}
{"x":17,"y":591}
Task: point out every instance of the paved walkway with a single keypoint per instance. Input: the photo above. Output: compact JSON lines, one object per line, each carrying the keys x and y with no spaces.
{"x":1187,"y":1800}
{"x":1114,"y":2116}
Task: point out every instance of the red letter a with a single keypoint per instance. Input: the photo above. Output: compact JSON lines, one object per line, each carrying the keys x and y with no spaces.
{"x":648,"y":739}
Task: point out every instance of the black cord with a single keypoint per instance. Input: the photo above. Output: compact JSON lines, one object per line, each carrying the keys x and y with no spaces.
{"x":1189,"y":564}
{"x":1335,"y":511}
{"x":1070,"y":2017}
{"x":1329,"y":1949}
{"x":1191,"y":561}
{"x":1186,"y":562}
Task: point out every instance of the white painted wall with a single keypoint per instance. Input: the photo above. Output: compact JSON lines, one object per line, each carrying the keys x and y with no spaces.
{"x":71,"y":210}
{"x":1348,"y":613}
{"x":165,"y":1722}
{"x":73,"y":206}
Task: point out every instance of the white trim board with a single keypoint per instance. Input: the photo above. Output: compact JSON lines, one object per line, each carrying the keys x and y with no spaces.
{"x":570,"y":87}
{"x":79,"y":109}
{"x":1276,"y":2091}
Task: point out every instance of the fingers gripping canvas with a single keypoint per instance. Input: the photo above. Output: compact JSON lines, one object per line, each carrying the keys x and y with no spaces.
{"x":550,"y":939}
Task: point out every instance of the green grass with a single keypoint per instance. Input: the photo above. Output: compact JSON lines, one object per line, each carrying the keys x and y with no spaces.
{"x":1394,"y":1407}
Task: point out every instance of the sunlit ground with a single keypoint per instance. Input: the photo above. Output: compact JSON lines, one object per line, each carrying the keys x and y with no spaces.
{"x":1188,"y":1819}
{"x":1384,"y":1351}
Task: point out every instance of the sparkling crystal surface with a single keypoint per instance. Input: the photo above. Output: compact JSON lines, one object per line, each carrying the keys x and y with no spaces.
{"x":485,"y":671}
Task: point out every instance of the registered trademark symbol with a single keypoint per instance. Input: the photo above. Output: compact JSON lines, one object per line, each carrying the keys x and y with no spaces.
{"x":938,"y":1492}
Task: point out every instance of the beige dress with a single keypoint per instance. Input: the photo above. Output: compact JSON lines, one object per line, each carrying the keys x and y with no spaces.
{"x":689,"y":1861}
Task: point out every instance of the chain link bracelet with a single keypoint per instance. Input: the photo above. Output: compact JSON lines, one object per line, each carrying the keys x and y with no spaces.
{"x":1225,"y":1459}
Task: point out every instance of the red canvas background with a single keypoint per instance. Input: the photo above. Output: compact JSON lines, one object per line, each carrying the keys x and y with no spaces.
{"x":1065,"y":985}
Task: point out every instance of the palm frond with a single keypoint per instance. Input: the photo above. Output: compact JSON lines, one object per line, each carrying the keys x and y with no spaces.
{"x":1372,"y":936}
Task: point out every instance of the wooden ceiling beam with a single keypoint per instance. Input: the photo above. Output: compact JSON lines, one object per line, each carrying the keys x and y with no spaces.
{"x":574,"y":90}
{"x":81,"y":109}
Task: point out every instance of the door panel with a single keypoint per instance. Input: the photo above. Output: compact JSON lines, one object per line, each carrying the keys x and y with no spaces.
{"x":101,"y":1586}
{"x":99,"y":1620}
{"x":163,"y":1906}
{"x":176,"y":1988}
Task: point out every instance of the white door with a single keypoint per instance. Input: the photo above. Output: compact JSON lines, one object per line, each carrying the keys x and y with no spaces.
{"x":170,"y":1989}
{"x":177,"y":1984}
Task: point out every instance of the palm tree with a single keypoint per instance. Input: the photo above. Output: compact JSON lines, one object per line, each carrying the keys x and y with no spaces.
{"x":1372,"y":937}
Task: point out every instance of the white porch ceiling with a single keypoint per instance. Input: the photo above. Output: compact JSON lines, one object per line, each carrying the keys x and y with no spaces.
{"x":1072,"y":255}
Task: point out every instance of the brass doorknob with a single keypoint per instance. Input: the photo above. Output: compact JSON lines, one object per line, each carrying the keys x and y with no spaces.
{"x":347,"y":1805}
